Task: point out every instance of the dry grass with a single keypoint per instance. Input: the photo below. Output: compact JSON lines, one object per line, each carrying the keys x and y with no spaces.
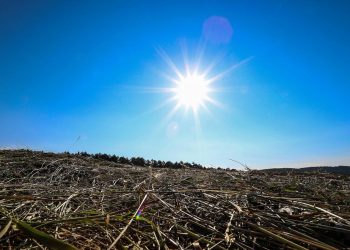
{"x":93,"y":204}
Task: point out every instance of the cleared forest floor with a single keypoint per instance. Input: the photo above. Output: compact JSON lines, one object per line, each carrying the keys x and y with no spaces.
{"x":62,"y":201}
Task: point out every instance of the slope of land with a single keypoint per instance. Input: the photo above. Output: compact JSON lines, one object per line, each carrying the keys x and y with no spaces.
{"x":323,"y":169}
{"x":68,"y":201}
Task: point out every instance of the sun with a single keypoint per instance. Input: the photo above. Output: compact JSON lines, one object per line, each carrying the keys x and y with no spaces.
{"x":193,"y":86}
{"x":192,"y":91}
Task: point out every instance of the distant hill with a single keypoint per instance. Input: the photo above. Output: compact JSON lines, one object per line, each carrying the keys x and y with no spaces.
{"x":324,"y":169}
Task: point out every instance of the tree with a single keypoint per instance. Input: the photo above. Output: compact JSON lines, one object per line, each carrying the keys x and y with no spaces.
{"x":138,"y":161}
{"x":124,"y":160}
{"x":114,"y":158}
{"x":169,"y":164}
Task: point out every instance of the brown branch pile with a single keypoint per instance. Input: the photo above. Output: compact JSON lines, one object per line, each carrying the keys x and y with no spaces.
{"x":92,"y":204}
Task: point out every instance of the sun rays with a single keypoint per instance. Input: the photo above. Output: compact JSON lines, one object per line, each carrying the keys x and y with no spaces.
{"x":191,"y":89}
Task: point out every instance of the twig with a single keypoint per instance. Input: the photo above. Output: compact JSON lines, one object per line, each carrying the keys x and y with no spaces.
{"x":126,"y":227}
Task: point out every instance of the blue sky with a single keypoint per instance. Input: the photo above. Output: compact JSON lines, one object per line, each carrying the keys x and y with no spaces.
{"x":80,"y":75}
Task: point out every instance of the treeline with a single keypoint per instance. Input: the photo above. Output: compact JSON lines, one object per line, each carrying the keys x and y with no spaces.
{"x":139,"y":161}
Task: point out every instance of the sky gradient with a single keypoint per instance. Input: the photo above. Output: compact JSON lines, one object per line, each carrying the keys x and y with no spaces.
{"x":84,"y":75}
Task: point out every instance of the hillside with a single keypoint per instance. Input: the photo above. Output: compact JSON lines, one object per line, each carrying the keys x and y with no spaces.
{"x":66,"y":201}
{"x":323,"y":169}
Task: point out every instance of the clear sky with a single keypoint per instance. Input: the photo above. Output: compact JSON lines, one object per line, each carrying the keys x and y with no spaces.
{"x":88,"y":76}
